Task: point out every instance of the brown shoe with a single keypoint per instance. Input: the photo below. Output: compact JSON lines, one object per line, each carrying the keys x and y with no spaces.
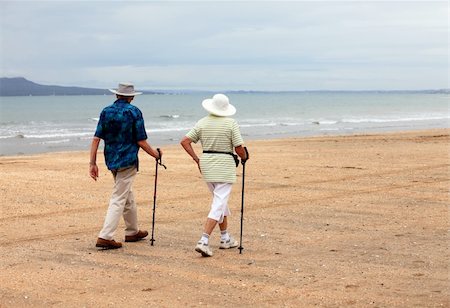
{"x":107,"y":244}
{"x":137,"y":237}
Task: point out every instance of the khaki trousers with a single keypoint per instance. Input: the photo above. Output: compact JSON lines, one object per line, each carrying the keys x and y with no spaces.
{"x":121,"y":204}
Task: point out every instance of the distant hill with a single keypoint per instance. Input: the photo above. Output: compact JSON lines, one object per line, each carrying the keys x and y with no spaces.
{"x":20,"y":86}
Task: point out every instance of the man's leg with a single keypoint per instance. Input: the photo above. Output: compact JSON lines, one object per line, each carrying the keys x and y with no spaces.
{"x":132,"y":232}
{"x":130,"y":216}
{"x":123,"y":181}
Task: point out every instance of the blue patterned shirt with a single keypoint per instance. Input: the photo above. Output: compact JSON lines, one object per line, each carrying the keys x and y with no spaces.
{"x":121,"y":126}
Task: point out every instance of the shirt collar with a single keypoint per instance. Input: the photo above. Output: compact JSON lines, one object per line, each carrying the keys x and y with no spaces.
{"x":121,"y":101}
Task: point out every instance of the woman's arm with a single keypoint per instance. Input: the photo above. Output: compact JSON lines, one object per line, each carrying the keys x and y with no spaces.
{"x":241,"y":152}
{"x":186,"y":143}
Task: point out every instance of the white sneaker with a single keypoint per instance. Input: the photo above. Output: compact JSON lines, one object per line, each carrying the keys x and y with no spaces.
{"x":203,"y":249}
{"x":230,"y":243}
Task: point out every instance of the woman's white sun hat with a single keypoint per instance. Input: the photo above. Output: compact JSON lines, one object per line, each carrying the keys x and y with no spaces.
{"x":125,"y":89}
{"x":219,"y":105}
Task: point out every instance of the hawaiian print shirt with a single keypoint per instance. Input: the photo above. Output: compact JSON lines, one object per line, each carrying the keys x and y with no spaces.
{"x":121,"y":126}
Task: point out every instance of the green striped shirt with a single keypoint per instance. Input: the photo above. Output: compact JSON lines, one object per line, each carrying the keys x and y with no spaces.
{"x":217,"y":134}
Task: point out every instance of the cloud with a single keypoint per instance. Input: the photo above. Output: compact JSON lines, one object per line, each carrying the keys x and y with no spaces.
{"x":233,"y":45}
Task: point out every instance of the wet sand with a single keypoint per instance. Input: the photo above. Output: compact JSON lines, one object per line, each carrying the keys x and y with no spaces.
{"x":346,"y":221}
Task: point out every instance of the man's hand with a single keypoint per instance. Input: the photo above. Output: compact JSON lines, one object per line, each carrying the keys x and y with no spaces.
{"x":93,"y":171}
{"x":159,"y":154}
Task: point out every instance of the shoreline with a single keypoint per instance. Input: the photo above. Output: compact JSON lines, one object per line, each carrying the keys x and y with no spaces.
{"x":335,"y":221}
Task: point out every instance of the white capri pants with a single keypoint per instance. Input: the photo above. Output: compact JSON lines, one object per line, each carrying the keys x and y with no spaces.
{"x":219,"y":206}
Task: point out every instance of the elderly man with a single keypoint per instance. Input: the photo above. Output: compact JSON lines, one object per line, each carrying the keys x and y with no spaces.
{"x":219,"y":136}
{"x":121,"y":127}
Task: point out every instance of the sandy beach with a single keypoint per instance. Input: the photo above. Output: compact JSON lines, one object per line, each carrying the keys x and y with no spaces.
{"x":346,"y":221}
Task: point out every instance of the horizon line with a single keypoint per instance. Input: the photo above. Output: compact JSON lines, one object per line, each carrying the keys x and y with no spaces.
{"x":242,"y":90}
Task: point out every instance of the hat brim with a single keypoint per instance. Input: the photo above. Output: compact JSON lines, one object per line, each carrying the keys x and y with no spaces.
{"x":125,"y":94}
{"x":208,"y":106}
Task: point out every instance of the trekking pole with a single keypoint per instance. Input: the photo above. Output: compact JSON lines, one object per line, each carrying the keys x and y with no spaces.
{"x":158,"y":162}
{"x":242,"y":200}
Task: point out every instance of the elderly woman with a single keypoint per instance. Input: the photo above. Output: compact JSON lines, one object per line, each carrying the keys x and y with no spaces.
{"x":218,"y":135}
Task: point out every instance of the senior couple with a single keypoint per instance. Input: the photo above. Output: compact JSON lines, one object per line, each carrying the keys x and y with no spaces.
{"x":121,"y":127}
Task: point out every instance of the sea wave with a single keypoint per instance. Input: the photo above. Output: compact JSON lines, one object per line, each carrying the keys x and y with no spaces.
{"x":46,"y":135}
{"x":259,"y":124}
{"x":11,"y":136}
{"x":168,"y":129}
{"x":52,"y":141}
{"x":81,"y":132}
{"x":170,"y":116}
{"x":388,"y":120}
{"x":325,"y":122}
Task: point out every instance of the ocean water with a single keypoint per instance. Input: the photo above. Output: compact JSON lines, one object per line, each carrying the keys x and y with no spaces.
{"x":37,"y":124}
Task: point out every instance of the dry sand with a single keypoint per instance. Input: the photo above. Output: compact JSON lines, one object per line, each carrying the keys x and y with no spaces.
{"x":357,"y":221}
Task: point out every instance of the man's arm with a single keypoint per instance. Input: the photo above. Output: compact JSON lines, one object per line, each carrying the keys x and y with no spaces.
{"x":148,"y":149}
{"x":93,"y":169}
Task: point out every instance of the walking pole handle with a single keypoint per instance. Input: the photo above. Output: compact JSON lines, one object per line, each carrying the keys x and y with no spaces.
{"x":159,"y":160}
{"x":243,"y":161}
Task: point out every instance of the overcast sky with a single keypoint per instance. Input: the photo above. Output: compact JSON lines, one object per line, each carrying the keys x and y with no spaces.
{"x":253,"y":45}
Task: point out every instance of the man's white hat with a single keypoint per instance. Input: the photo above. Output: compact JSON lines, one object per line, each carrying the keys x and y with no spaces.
{"x":219,"y":105}
{"x":125,"y":89}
